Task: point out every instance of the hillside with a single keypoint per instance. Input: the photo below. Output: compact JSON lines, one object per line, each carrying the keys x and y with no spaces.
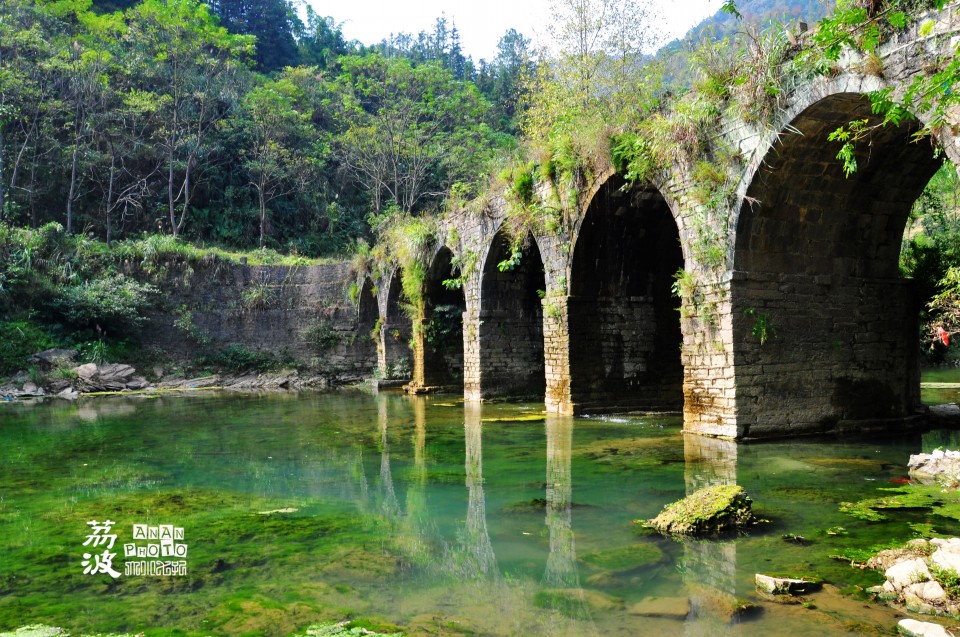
{"x":761,"y":14}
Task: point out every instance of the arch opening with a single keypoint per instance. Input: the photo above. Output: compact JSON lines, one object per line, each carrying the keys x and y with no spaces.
{"x":511,"y":320}
{"x":623,"y":316}
{"x":444,"y":306}
{"x":395,"y":332}
{"x":368,"y":313}
{"x":824,"y":327}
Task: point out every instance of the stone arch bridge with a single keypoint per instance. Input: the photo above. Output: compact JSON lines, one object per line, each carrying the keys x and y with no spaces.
{"x":806,"y":328}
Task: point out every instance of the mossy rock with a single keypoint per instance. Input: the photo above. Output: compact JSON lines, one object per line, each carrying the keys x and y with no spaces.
{"x":709,"y":511}
{"x":625,"y":558}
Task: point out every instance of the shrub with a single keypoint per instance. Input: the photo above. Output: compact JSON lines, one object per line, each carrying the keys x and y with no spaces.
{"x":321,"y":335}
{"x":21,"y":339}
{"x":115,"y":303}
{"x":240,"y":358}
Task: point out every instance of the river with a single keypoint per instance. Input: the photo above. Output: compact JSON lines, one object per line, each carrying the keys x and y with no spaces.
{"x":426,"y":515}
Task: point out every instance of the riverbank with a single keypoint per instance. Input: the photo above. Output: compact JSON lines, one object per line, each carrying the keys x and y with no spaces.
{"x":90,"y":379}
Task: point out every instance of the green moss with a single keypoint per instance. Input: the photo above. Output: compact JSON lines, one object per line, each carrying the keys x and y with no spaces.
{"x":710,"y":510}
{"x":625,"y":558}
{"x":910,"y":496}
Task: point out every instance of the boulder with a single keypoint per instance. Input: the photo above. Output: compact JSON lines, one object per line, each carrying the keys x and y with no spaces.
{"x":914,"y":628}
{"x":115,"y":375}
{"x":52,"y":358}
{"x":137,"y":383}
{"x":785,"y":585}
{"x":712,"y":510}
{"x":69,"y":394}
{"x":925,"y":591}
{"x":86,"y":371}
{"x":936,"y":467}
{"x":947,"y":557}
{"x":109,"y":377}
{"x":907,"y":572}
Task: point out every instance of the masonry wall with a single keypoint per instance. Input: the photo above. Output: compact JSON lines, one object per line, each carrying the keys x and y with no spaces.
{"x":840,"y":353}
{"x":301,"y":313}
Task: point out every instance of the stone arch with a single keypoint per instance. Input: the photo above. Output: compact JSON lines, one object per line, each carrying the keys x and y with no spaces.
{"x":824,"y":328}
{"x":395,"y":331}
{"x":368,"y":313}
{"x":624,"y":327}
{"x":511,"y":320}
{"x":368,"y":310}
{"x":444,"y":306}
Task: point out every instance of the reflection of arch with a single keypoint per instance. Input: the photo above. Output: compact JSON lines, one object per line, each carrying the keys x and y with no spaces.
{"x":624,"y":325}
{"x":389,"y":506}
{"x":816,"y":256}
{"x":395,"y":331}
{"x":444,"y":306}
{"x":511,"y":320}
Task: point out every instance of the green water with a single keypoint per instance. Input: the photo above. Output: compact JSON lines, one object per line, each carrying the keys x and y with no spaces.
{"x":423,"y":514}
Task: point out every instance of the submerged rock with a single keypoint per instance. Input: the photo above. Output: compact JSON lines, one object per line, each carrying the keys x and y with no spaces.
{"x":709,"y":511}
{"x":785,"y":585}
{"x":672,"y":607}
{"x":625,"y":558}
{"x":571,"y":601}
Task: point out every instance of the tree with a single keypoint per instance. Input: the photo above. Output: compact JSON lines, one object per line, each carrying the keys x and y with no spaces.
{"x":84,"y":65}
{"x":502,"y":79}
{"x":191,"y":71}
{"x":272,"y":22}
{"x":23,"y":88}
{"x":409,"y":131}
{"x":592,"y":68}
{"x":320,"y":40}
{"x":277,"y":130}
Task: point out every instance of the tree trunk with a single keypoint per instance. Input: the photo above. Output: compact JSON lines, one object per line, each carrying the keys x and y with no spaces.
{"x":73,"y":183}
{"x":186,"y":195}
{"x":263,"y":216}
{"x":109,"y":206}
{"x":2,"y":197}
{"x":170,"y":199}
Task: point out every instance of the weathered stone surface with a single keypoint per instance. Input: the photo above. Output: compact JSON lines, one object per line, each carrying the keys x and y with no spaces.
{"x":672,"y":607}
{"x":907,"y":572}
{"x":947,"y":557}
{"x":711,"y":510}
{"x":914,"y":628}
{"x":939,"y":466}
{"x":86,"y":371}
{"x":69,"y":394}
{"x":52,"y":358}
{"x":785,"y":585}
{"x":925,"y":591}
{"x":137,"y":383}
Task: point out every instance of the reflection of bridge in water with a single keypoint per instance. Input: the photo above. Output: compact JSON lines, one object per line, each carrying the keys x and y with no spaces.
{"x":696,"y":580}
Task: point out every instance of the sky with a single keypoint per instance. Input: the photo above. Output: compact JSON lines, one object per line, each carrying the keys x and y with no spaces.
{"x":481,"y":22}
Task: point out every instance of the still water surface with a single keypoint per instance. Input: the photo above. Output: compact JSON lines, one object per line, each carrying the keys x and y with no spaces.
{"x":425,"y":514}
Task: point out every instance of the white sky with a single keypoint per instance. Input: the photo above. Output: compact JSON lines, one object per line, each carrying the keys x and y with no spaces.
{"x":481,"y":22}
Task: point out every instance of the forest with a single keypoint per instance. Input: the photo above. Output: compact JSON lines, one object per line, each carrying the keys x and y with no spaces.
{"x":237,"y":123}
{"x":244,"y":123}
